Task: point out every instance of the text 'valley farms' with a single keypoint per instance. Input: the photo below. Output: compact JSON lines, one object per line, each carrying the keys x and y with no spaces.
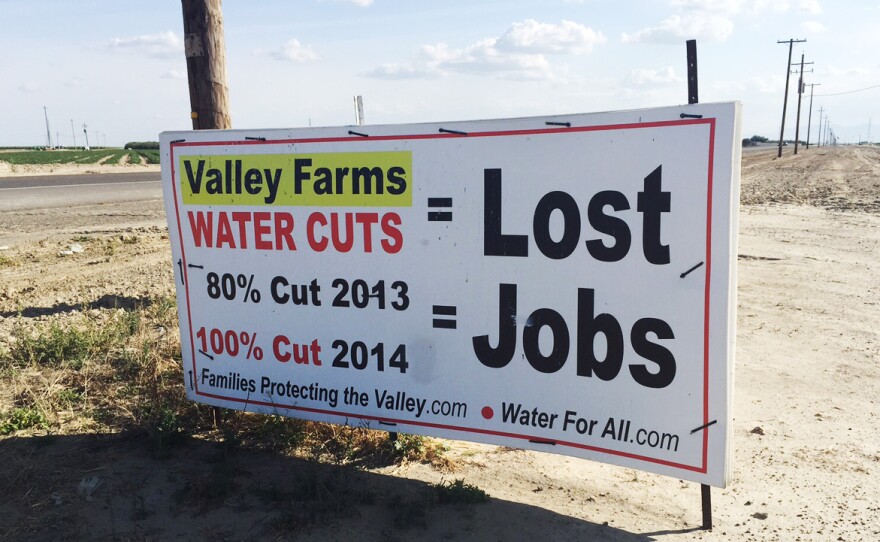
{"x":362,"y":179}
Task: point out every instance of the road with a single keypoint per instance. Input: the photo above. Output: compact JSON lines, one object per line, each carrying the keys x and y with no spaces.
{"x":41,"y":192}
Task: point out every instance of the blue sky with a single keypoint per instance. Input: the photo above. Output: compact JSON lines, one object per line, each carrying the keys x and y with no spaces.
{"x":119,"y":66}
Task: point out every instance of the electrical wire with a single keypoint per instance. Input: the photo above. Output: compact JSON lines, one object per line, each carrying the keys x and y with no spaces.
{"x":847,"y":92}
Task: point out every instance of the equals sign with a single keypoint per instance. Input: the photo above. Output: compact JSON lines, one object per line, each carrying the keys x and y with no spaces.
{"x":447,"y":316}
{"x":439,"y":216}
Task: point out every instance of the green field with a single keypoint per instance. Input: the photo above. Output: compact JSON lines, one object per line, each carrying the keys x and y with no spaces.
{"x":78,"y":156}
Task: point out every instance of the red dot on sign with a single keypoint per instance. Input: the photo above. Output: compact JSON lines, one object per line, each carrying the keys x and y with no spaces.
{"x":488,"y":412}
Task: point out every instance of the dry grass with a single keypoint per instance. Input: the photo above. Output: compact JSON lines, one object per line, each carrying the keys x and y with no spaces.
{"x":118,"y":370}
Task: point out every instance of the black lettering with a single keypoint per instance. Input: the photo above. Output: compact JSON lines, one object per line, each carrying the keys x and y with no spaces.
{"x":500,"y":356}
{"x":561,"y":342}
{"x":252,"y":181}
{"x":590,"y":325}
{"x":494,"y":242}
{"x":323,"y":181}
{"x":397,"y":180}
{"x":652,"y":203}
{"x":299,"y":173}
{"x":195,"y":181}
{"x":214,"y":184}
{"x":652,"y":352}
{"x":571,"y":218}
{"x":372,"y":177}
{"x":609,"y":225}
{"x":279,"y":295}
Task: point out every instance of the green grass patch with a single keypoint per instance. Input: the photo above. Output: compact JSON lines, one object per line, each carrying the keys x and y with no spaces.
{"x":151,"y":156}
{"x":459,"y":492}
{"x":19,"y":419}
{"x":67,"y":156}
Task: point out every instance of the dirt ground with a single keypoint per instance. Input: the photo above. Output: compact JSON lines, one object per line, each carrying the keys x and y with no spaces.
{"x":806,"y":434}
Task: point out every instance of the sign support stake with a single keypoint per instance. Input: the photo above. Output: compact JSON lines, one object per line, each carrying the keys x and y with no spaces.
{"x":693,"y":97}
{"x":692,"y":71}
{"x":707,"y":506}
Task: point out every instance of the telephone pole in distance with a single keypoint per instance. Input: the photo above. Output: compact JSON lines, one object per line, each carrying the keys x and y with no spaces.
{"x":790,"y":43}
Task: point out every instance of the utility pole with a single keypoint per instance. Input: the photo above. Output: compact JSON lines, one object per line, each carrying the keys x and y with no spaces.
{"x":359,"y":110}
{"x":85,"y":131}
{"x":206,"y":64}
{"x":810,"y":116}
{"x":73,"y":133}
{"x":205,"y":51}
{"x":819,"y":137}
{"x":801,"y":88}
{"x":790,"y":43}
{"x":48,"y":132}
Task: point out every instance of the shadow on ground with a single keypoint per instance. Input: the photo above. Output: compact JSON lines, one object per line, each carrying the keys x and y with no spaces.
{"x":112,"y":487}
{"x":104,"y":302}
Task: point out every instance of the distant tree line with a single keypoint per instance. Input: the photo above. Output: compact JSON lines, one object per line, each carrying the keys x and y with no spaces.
{"x":141,"y":145}
{"x":754,"y":140}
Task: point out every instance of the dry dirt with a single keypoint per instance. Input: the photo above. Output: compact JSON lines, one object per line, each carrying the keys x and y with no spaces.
{"x":806,"y":432}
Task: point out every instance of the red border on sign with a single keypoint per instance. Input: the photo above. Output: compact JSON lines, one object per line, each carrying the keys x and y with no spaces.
{"x":710,"y":122}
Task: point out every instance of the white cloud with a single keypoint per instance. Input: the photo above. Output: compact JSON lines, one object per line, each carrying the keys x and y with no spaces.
{"x":733,"y":7}
{"x":701,"y":26}
{"x":481,"y":58}
{"x":813,"y":27}
{"x":403,"y":71}
{"x":174,"y":74}
{"x":516,"y":54}
{"x":728,"y":7}
{"x":162,"y":45}
{"x":534,"y":37}
{"x":811,"y":7}
{"x":663,"y":76}
{"x":28,"y":88}
{"x":295,"y":51}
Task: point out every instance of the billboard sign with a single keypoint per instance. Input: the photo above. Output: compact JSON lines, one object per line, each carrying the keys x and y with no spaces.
{"x":563,"y":284}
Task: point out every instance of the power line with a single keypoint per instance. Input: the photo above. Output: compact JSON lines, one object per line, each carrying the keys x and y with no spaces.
{"x":847,"y":92}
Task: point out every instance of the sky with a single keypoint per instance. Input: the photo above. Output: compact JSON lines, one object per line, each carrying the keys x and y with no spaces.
{"x":118,"y":66}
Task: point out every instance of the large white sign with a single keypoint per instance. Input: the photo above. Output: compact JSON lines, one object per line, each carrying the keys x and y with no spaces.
{"x":563,"y":284}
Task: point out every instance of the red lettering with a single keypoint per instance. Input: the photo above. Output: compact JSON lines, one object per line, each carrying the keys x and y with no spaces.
{"x":318,"y":245}
{"x":202,"y":228}
{"x":261,"y":230}
{"x":394,"y":241}
{"x":242,"y":219}
{"x":279,"y":340}
{"x":224,"y":231}
{"x":339,"y":244}
{"x":284,"y":230}
{"x":367,"y":220}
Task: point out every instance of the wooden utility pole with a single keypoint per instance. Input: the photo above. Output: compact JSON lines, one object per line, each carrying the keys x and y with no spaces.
{"x":206,"y":64}
{"x":790,"y":43}
{"x":801,"y":89}
{"x":48,"y":133}
{"x":810,"y":116}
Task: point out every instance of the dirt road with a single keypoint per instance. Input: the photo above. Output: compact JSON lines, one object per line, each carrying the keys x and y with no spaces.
{"x":806,"y":409}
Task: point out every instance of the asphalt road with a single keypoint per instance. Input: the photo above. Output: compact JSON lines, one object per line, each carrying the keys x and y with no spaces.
{"x":42,"y":192}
